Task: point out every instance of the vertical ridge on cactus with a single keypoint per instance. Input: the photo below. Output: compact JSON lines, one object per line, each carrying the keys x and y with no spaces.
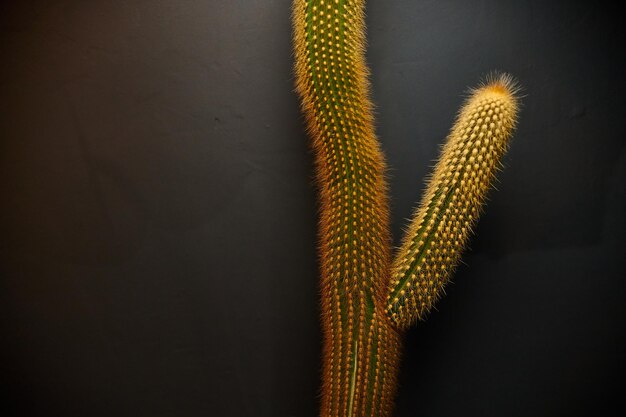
{"x":364,"y":307}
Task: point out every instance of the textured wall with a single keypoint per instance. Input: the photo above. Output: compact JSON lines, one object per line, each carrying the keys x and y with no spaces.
{"x":158,"y":220}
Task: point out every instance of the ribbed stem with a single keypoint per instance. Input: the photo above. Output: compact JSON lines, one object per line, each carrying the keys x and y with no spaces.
{"x":360,"y":348}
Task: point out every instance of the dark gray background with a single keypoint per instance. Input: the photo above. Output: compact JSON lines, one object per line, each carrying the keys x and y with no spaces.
{"x":158,"y":215}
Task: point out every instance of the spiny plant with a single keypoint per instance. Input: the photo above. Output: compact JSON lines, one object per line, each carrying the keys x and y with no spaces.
{"x":368,"y":299}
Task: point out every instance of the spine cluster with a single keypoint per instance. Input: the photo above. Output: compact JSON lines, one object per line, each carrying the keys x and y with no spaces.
{"x":366,"y":299}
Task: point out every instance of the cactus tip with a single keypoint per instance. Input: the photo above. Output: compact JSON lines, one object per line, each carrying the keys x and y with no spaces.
{"x":501,"y":83}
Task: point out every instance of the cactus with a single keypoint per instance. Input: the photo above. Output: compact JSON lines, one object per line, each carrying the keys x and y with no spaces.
{"x":368,"y":300}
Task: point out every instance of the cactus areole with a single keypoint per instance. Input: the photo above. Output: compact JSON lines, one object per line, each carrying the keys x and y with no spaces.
{"x":369,"y":295}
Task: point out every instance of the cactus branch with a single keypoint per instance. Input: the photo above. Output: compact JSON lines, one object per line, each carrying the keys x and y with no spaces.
{"x":452,"y":202}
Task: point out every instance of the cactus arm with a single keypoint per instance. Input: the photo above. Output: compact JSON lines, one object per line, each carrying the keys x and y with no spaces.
{"x":442,"y":224}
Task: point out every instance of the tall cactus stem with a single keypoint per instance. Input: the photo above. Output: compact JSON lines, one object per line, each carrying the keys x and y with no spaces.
{"x":361,"y":350}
